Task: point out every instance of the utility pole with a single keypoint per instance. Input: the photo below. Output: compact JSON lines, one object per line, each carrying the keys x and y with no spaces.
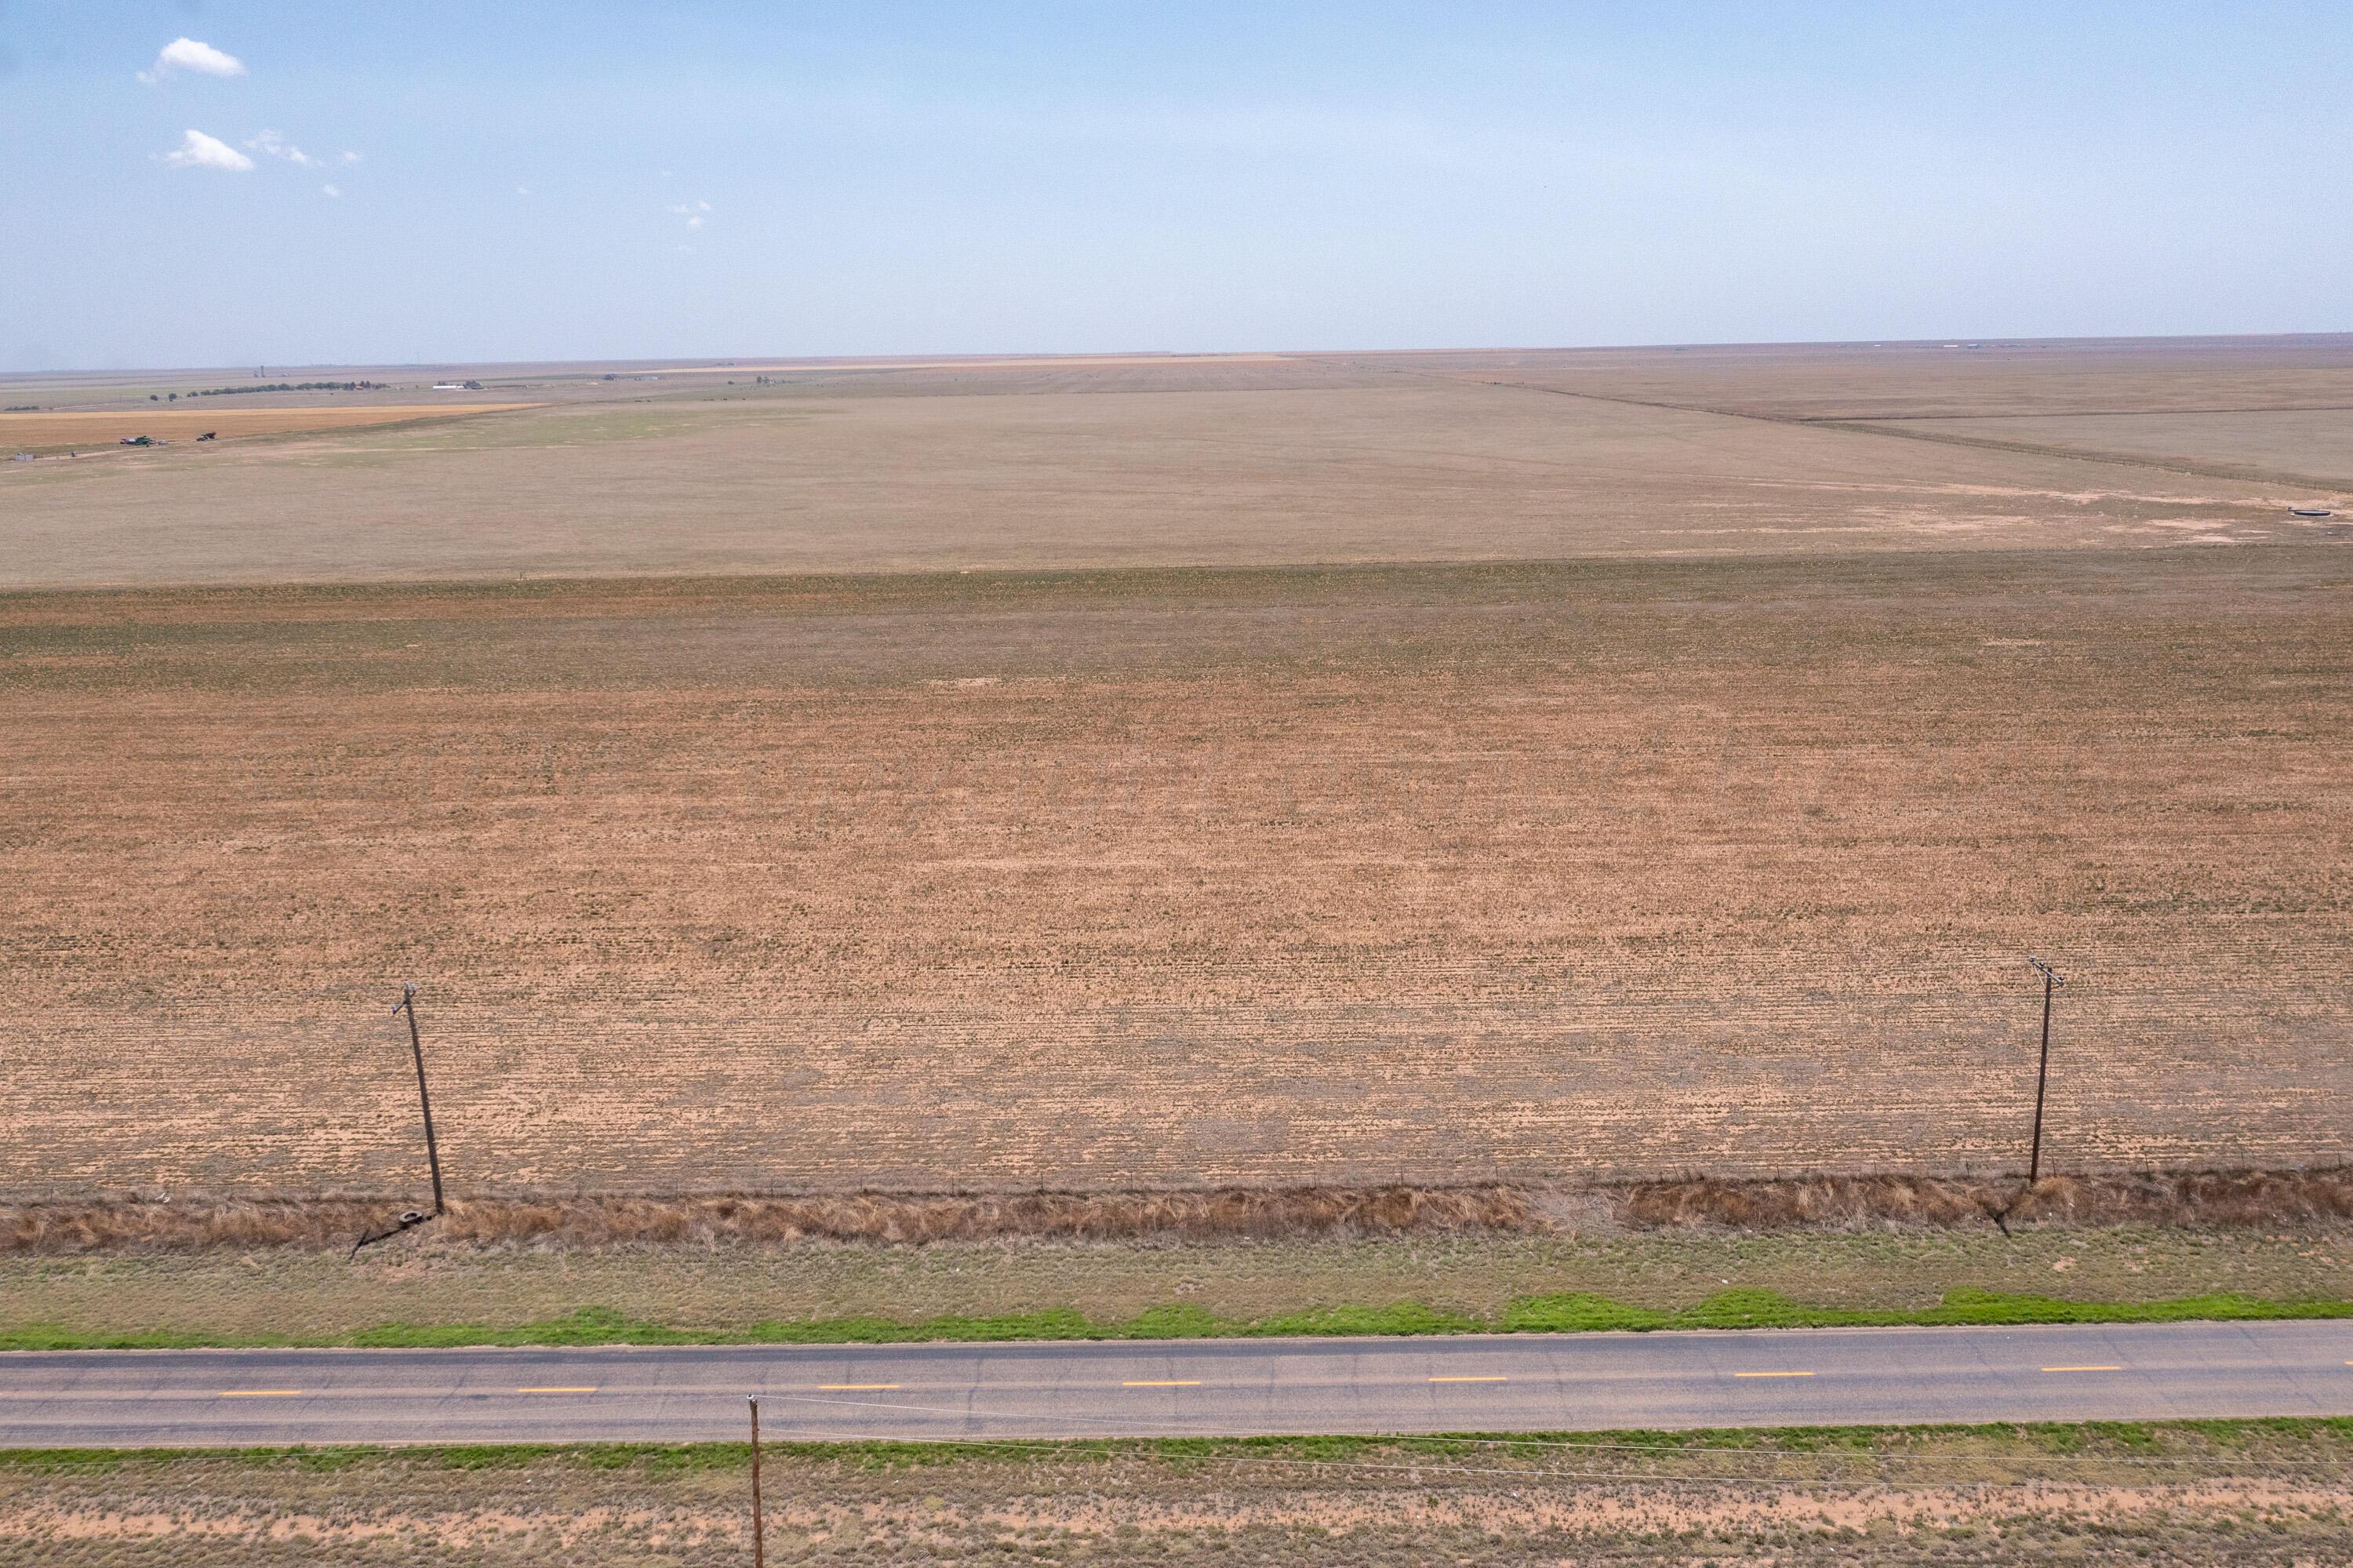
{"x":423,"y":1100}
{"x":759,"y":1541}
{"x":2051,"y":980}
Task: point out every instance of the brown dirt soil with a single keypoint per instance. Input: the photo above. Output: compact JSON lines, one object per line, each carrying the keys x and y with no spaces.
{"x":2179,"y":1497}
{"x":1181,"y":880}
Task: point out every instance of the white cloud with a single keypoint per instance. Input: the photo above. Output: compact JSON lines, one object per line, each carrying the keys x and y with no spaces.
{"x":691,"y":211}
{"x":331,"y":190}
{"x":198,"y":151}
{"x":186,"y":54}
{"x":277,"y":146}
{"x":349,"y":158}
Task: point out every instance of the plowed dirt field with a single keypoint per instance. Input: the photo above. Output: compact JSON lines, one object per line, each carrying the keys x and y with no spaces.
{"x":1167,"y":877}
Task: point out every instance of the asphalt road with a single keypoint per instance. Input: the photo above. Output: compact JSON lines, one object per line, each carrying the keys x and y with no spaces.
{"x":1483,"y":1383}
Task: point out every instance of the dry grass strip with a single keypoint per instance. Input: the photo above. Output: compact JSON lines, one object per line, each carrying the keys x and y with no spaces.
{"x":199,"y":1223}
{"x":102,"y":1224}
{"x":2168,"y":1198}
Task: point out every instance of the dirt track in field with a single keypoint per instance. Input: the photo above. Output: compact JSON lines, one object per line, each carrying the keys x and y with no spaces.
{"x":1162,"y":879}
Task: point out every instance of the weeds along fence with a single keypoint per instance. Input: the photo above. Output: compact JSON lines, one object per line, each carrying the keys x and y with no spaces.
{"x":71,"y":1226}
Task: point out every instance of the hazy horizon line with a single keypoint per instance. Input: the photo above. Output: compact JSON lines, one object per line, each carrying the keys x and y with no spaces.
{"x":755,"y":361}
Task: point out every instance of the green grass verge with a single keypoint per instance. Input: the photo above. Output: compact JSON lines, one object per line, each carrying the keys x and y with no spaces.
{"x":2214,"y":1439}
{"x":1571,"y":1313}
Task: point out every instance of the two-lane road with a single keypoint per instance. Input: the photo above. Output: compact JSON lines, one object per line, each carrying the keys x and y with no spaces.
{"x":1180,"y":1388}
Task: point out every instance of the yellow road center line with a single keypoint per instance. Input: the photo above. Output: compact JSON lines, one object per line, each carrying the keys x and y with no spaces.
{"x":2083,"y":1369}
{"x":260,"y":1394}
{"x":855,"y":1387}
{"x":589,"y":1389}
{"x":1170,"y":1383}
{"x":1774,"y":1374}
{"x":1466,"y":1380}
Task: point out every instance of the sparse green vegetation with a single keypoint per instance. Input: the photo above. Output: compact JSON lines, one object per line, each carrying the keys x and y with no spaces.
{"x":419,"y":1286}
{"x":2127,"y":1442}
{"x":2093,"y":1494}
{"x":1570,"y":1313}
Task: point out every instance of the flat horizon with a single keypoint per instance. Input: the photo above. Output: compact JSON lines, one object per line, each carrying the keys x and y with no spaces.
{"x":687,"y":363}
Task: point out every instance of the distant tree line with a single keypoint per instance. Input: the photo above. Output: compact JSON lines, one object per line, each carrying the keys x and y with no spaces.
{"x":292,"y":387}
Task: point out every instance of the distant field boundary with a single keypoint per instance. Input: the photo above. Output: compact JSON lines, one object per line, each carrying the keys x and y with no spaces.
{"x":1831,"y":576}
{"x":200,"y":1223}
{"x":103,"y":430}
{"x":1871,"y":425}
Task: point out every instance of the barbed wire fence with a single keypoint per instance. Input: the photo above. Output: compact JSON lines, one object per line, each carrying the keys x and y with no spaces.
{"x":1445,"y":1075}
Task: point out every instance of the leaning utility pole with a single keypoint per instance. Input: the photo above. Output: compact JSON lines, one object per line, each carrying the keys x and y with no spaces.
{"x":423,"y":1100}
{"x":2051,"y":980}
{"x":759,"y":1544}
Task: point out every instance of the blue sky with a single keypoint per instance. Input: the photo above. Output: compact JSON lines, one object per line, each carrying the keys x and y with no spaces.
{"x":590,"y":180}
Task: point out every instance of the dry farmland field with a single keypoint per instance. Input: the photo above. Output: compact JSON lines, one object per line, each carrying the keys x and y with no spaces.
{"x":2257,"y":1493}
{"x":1256,"y":460}
{"x":1142,"y":772}
{"x":47,"y":431}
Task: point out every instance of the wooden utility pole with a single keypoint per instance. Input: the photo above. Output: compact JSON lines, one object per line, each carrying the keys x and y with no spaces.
{"x":2051,"y":981}
{"x":759,"y":1541}
{"x":423,"y":1100}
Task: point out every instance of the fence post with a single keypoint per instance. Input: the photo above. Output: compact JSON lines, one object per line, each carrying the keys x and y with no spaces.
{"x":759,"y":1533}
{"x":2051,"y":983}
{"x":423,"y":1100}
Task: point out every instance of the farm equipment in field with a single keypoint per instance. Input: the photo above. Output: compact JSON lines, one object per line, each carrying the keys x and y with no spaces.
{"x":136,"y":441}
